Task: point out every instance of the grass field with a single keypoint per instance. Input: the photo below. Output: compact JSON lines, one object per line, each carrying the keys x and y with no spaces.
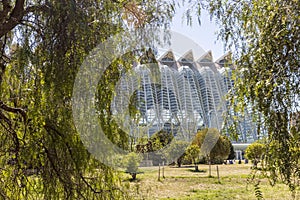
{"x":184,"y":183}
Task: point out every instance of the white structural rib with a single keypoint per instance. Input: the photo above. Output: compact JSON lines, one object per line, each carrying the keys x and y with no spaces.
{"x":188,"y":94}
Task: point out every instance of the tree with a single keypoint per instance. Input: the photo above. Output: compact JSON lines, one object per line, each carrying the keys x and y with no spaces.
{"x":231,"y":155}
{"x":214,"y":147}
{"x":175,"y":152}
{"x":255,"y":152}
{"x":159,"y":141}
{"x":132,"y":164}
{"x":43,"y":44}
{"x":264,"y":37}
{"x":193,"y":153}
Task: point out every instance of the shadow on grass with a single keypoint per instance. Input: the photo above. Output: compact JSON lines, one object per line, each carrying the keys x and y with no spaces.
{"x":197,"y":171}
{"x":137,"y":180}
{"x":182,"y":166}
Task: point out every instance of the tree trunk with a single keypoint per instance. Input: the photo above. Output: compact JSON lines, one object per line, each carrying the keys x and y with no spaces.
{"x":133,"y":175}
{"x":209,"y":163}
{"x":2,"y":70}
{"x":179,"y":163}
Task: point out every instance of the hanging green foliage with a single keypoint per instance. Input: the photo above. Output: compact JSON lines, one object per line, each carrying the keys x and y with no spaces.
{"x":264,"y":37}
{"x":43,"y":44}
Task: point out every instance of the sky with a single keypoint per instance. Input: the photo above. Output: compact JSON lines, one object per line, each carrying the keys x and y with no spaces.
{"x":205,"y":35}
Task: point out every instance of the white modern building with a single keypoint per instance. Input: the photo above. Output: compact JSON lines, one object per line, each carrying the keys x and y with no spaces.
{"x":179,"y":92}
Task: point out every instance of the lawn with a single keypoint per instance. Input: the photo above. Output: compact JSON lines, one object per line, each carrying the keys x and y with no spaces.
{"x":184,"y":183}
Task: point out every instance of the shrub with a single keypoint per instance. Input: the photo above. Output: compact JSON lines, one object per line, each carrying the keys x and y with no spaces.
{"x":255,"y":152}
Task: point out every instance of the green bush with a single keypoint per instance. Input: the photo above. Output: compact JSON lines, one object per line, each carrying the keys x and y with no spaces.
{"x":255,"y":152}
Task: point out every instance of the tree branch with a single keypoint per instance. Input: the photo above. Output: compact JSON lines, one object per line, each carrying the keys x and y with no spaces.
{"x":14,"y":19}
{"x":2,"y":70}
{"x":13,"y":110}
{"x":6,"y":8}
{"x":16,"y":15}
{"x":18,"y":9}
{"x":3,"y":117}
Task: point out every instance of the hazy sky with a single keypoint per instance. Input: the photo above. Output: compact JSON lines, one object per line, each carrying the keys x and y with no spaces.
{"x":205,"y":35}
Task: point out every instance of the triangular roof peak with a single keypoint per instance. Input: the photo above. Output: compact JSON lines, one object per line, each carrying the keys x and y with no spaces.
{"x":226,"y":59}
{"x":187,"y":57}
{"x":206,"y":58}
{"x":168,"y":57}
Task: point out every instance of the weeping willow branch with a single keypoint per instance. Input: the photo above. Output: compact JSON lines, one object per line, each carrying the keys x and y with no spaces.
{"x":7,"y":108}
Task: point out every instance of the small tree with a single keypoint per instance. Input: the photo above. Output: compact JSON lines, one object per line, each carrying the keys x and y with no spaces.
{"x":255,"y":152}
{"x":176,"y":151}
{"x":159,"y":140}
{"x":213,"y":145}
{"x":132,"y":164}
{"x":151,"y":147}
{"x":221,"y":150}
{"x":192,"y":152}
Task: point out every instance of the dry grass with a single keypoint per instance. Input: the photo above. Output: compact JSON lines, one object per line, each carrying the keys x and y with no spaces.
{"x":184,"y":183}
